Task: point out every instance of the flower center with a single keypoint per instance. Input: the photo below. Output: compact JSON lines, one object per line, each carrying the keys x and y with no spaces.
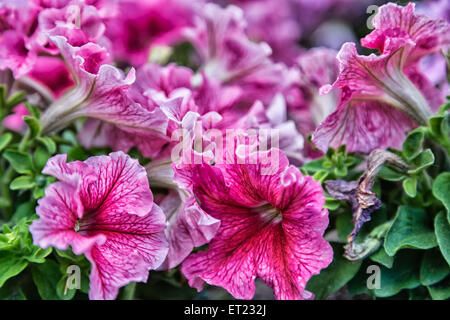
{"x":269,"y":213}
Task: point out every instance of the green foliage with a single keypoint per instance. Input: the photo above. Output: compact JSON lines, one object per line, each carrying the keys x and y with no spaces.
{"x":442,"y":229}
{"x":336,"y":164}
{"x":335,"y":276}
{"x":433,"y":268}
{"x":409,"y":230}
{"x":414,"y":258}
{"x":17,"y":250}
{"x":441,"y":189}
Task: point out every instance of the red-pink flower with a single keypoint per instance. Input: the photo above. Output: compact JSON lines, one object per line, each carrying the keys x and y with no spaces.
{"x":385,"y":95}
{"x":271,"y":224}
{"x":103,"y":208}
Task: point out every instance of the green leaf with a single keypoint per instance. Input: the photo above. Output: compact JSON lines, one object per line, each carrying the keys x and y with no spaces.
{"x":422,"y":161}
{"x":413,"y":144}
{"x":5,"y":139}
{"x":34,"y":125}
{"x":24,"y":210}
{"x":382,"y":258}
{"x":434,"y":268}
{"x":34,"y":111}
{"x":404,"y":274}
{"x":441,"y":189}
{"x":410,"y":186}
{"x":77,"y":153}
{"x":442,"y":229}
{"x":388,"y":174}
{"x":39,"y":255}
{"x":48,"y":143}
{"x":2,"y":99}
{"x":335,"y":276}
{"x":440,"y":291}
{"x":340,"y":171}
{"x":409,"y":230}
{"x":16,"y":99}
{"x":20,"y":161}
{"x":46,"y":277}
{"x":41,"y":155}
{"x":332,"y":204}
{"x":10,"y":265}
{"x":344,"y":225}
{"x":314,"y":166}
{"x":22,"y":183}
{"x":320,"y":175}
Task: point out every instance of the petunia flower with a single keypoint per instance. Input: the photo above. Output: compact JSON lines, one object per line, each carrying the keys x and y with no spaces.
{"x":78,"y":22}
{"x":229,"y":56}
{"x":271,"y":224}
{"x":274,"y":22}
{"x":385,"y":95}
{"x":49,"y":76}
{"x":101,"y":92}
{"x":138,"y":25}
{"x":103,"y":208}
{"x":19,"y":36}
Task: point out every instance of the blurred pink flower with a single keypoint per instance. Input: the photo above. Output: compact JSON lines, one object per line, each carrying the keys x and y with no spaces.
{"x":101,"y":92}
{"x":19,"y":36}
{"x":15,"y":121}
{"x":77,"y":22}
{"x":103,"y":208}
{"x":230,"y":57}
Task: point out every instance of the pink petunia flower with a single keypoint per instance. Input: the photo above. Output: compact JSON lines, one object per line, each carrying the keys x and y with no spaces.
{"x":50,"y":77}
{"x":137,"y":25}
{"x":385,"y":95}
{"x":103,"y":208}
{"x":271,"y":224}
{"x":77,"y":22}
{"x":229,"y":56}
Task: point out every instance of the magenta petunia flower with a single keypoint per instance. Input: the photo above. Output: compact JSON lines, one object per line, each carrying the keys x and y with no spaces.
{"x":103,"y":208}
{"x":50,"y":77}
{"x":271,"y":224}
{"x":385,"y":95}
{"x":78,"y":22}
{"x":139,"y":24}
{"x":18,"y":36}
